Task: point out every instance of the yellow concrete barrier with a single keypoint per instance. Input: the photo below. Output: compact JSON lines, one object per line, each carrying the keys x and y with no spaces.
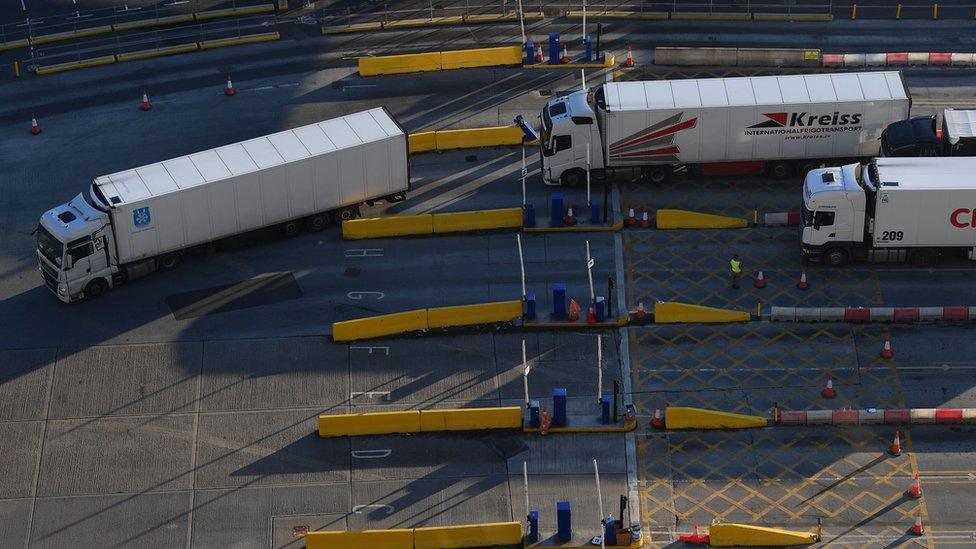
{"x":470,"y":535}
{"x":70,"y":35}
{"x":715,"y":16}
{"x":374,"y":539}
{"x":157,"y":22}
{"x":482,"y":57}
{"x":355,"y":27}
{"x":13,"y":44}
{"x":698,"y":418}
{"x":647,"y":15}
{"x":799,"y":17}
{"x":249,"y":39}
{"x":470,"y":315}
{"x":431,"y":22}
{"x":74,"y":65}
{"x":158,"y":52}
{"x":470,"y":419}
{"x":399,"y":64}
{"x":478,"y":137}
{"x":421,"y":142}
{"x":669,"y":312}
{"x":380,"y":325}
{"x":233,"y":12}
{"x":492,"y":18}
{"x":482,"y":220}
{"x":378,"y":227}
{"x":747,"y":535}
{"x":684,"y":219}
{"x":370,"y":423}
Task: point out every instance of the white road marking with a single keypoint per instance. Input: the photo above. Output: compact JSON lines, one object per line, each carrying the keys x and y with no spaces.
{"x":386,"y":350}
{"x":370,"y":394}
{"x":372,"y":454}
{"x":359,"y":508}
{"x":364,"y":252}
{"x":360,"y":295}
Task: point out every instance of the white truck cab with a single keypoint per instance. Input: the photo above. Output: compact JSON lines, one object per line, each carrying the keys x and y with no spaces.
{"x":833,"y":210}
{"x":569,"y":130}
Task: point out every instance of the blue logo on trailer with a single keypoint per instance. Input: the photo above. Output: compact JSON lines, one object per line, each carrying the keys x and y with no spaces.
{"x":140,"y":217}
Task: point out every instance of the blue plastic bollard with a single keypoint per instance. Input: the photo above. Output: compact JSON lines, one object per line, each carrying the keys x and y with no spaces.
{"x":534,"y":419}
{"x":559,"y":300}
{"x":554,"y":48}
{"x":556,"y":208}
{"x":595,"y":213}
{"x":564,"y":521}
{"x":559,"y":407}
{"x":529,"y":216}
{"x":533,"y":527}
{"x":529,"y":53}
{"x":600,"y":308}
{"x":530,"y":306}
{"x":609,"y":531}
{"x":605,"y":409}
{"x":588,"y":47}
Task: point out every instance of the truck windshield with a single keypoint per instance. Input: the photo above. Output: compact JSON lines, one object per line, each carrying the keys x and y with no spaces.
{"x":50,"y":247}
{"x":546,"y":127}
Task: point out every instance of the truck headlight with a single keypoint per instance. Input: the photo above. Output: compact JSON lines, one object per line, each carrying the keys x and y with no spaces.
{"x":62,"y":288}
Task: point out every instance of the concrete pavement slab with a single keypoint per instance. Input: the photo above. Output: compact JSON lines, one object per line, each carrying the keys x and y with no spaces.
{"x":579,"y":490}
{"x":288,"y":531}
{"x":427,"y":455}
{"x":14,"y":522}
{"x":571,"y":454}
{"x":21,"y":454}
{"x":24,"y":383}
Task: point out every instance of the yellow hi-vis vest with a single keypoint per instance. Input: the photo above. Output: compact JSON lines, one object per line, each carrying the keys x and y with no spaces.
{"x":736,"y":266}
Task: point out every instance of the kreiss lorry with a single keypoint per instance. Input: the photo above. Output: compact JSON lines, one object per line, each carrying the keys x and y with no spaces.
{"x":891,"y":209}
{"x":647,"y":129}
{"x":128,"y":224}
{"x":921,"y":136}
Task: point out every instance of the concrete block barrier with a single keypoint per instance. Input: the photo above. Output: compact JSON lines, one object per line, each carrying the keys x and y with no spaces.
{"x":371,"y":423}
{"x":906,"y":314}
{"x":71,"y":35}
{"x":972,"y":313}
{"x":922,"y":416}
{"x":75,"y":65}
{"x":955,"y":313}
{"x":882,"y":314}
{"x":380,"y":227}
{"x":156,"y":22}
{"x":684,"y":219}
{"x":400,"y":64}
{"x":482,"y":57}
{"x":832,"y":60}
{"x":422,"y":142}
{"x":679,"y":417}
{"x":845,"y":417}
{"x":611,"y":14}
{"x":796,"y":17}
{"x":916,"y":58}
{"x":380,"y":325}
{"x":962,"y":60}
{"x":431,"y":22}
{"x":470,"y":419}
{"x":351,"y":28}
{"x":678,"y":56}
{"x":928,"y":314}
{"x":940,"y":59}
{"x":157,"y":52}
{"x":897,"y":416}
{"x":857,"y":314}
{"x":667,"y":312}
{"x":832,"y":314}
{"x":472,"y":315}
{"x":13,"y":44}
{"x":770,"y":57}
{"x":468,"y":535}
{"x":793,"y":417}
{"x":233,"y":12}
{"x":782,"y":314}
{"x":854,"y":59}
{"x":709,"y":16}
{"x":807,"y":314}
{"x":481,"y":220}
{"x":819,"y":417}
{"x":374,"y":539}
{"x":728,"y":534}
{"x":776,"y":219}
{"x":472,"y":138}
{"x":250,"y":39}
{"x":875,"y":59}
{"x":896,"y":59}
{"x":871,"y":416}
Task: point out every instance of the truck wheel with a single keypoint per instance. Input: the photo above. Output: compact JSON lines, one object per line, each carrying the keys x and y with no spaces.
{"x":316,"y":223}
{"x":658,"y":174}
{"x":347,"y":213}
{"x":96,"y":288}
{"x":835,"y":257}
{"x":396,"y":197}
{"x":289,"y":228}
{"x":923,"y":257}
{"x":779,"y":170}
{"x":168,"y":261}
{"x":573,"y":178}
{"x":808,"y":166}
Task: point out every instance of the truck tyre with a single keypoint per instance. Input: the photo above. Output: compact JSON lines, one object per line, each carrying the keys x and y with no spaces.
{"x":347,"y":213}
{"x":658,"y":174}
{"x":808,"y":166}
{"x":168,"y":261}
{"x":396,"y":197}
{"x":96,"y":288}
{"x":779,"y":170}
{"x":316,"y":223}
{"x":573,"y":178}
{"x":289,"y":229}
{"x":923,"y":257}
{"x":835,"y":257}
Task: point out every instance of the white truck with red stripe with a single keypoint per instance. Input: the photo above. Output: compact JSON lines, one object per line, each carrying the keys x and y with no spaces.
{"x":626,"y":130}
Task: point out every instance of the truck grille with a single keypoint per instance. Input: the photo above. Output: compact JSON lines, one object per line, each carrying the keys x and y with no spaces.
{"x":50,"y":276}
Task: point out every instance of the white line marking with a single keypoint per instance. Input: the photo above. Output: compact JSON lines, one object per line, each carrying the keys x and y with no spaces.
{"x":372,"y":454}
{"x":359,"y":508}
{"x":364,"y":252}
{"x":370,"y":394}
{"x":360,"y":295}
{"x":386,"y":350}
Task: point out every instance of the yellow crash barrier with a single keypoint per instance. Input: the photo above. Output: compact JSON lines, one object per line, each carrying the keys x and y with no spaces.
{"x":250,"y":39}
{"x":747,"y":535}
{"x":381,"y":325}
{"x":233,"y":12}
{"x":377,"y":227}
{"x":478,"y":220}
{"x":74,"y":65}
{"x":157,"y":22}
{"x":669,"y":312}
{"x":478,"y":137}
{"x":432,"y":22}
{"x":69,"y":35}
{"x":13,"y":44}
{"x":470,"y":419}
{"x":398,"y":64}
{"x":373,"y":539}
{"x":421,"y":142}
{"x":371,"y":423}
{"x":683,"y":219}
{"x":158,"y":52}
{"x":482,"y":57}
{"x":469,"y":315}
{"x":471,"y":535}
{"x":676,"y":417}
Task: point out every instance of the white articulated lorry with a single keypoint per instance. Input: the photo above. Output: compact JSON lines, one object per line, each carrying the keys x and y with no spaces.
{"x":891,"y":209}
{"x":649,"y":129}
{"x":128,"y":224}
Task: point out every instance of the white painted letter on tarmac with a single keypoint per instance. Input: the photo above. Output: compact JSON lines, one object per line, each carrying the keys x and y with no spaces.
{"x":364,"y":252}
{"x":360,"y":508}
{"x":384,"y":350}
{"x":360,"y":295}
{"x":371,"y":454}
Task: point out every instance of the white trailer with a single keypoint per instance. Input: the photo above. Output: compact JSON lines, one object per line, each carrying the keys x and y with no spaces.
{"x":891,"y":209}
{"x":647,"y":129}
{"x":130,"y":223}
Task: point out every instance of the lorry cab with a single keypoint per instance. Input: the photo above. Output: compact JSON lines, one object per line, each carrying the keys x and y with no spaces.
{"x":569,"y":130}
{"x":74,"y":244}
{"x":832,"y":217}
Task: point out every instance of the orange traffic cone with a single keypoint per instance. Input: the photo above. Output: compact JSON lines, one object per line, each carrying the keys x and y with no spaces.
{"x":574,"y":310}
{"x":895,"y":448}
{"x":916,"y":490}
{"x":760,"y":281}
{"x":35,"y":128}
{"x":695,"y":537}
{"x":829,"y":391}
{"x":917,"y":528}
{"x":886,"y":351}
{"x":629,"y":62}
{"x":538,"y":53}
{"x":641,"y":314}
{"x":570,"y":217}
{"x":565,"y":57}
{"x":146,"y":105}
{"x":229,"y":90}
{"x":631,"y":218}
{"x":802,"y":284}
{"x":591,"y":315}
{"x":645,"y":220}
{"x":658,"y":420}
{"x":544,"y":423}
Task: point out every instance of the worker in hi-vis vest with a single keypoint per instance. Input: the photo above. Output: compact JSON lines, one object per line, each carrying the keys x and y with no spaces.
{"x":736,"y":267}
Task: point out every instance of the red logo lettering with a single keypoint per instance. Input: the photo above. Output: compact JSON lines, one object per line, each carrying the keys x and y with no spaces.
{"x":954,"y":218}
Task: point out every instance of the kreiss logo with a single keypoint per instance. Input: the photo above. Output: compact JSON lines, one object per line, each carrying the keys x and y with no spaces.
{"x":963,"y":218}
{"x":803,"y":119}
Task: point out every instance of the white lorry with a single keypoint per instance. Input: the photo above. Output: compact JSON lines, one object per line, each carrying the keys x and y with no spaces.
{"x":648,"y":129}
{"x":891,"y":209}
{"x":128,"y":224}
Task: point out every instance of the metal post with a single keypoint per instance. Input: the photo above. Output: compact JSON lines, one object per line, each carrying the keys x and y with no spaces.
{"x":521,"y":18}
{"x":599,"y":31}
{"x":582,"y":79}
{"x":623,"y":507}
{"x":525,"y":486}
{"x":518,"y":240}
{"x":616,"y":391}
{"x":524,"y":174}
{"x":610,"y":283}
{"x":525,"y":377}
{"x":589,"y":271}
{"x":599,"y":367}
{"x":599,"y":496}
{"x":584,"y":20}
{"x":589,"y":199}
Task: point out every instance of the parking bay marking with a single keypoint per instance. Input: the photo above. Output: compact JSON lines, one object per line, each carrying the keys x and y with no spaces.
{"x":364,"y":252}
{"x":372,"y":454}
{"x":360,"y":508}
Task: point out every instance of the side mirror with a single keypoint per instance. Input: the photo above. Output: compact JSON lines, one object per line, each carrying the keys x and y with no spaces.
{"x":816,"y":225}
{"x":66,"y":261}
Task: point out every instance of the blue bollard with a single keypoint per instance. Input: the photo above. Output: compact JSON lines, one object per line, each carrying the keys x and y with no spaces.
{"x":600,"y":308}
{"x":609,"y":531}
{"x":556,"y":210}
{"x":534,"y":420}
{"x":530,"y":306}
{"x":533,"y":527}
{"x":595,"y":213}
{"x":564,"y":521}
{"x":529,"y":216}
{"x":588,"y":47}
{"x":529,"y":53}
{"x":554,"y":48}
{"x":559,"y":407}
{"x":605,"y":409}
{"x":559,"y":300}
